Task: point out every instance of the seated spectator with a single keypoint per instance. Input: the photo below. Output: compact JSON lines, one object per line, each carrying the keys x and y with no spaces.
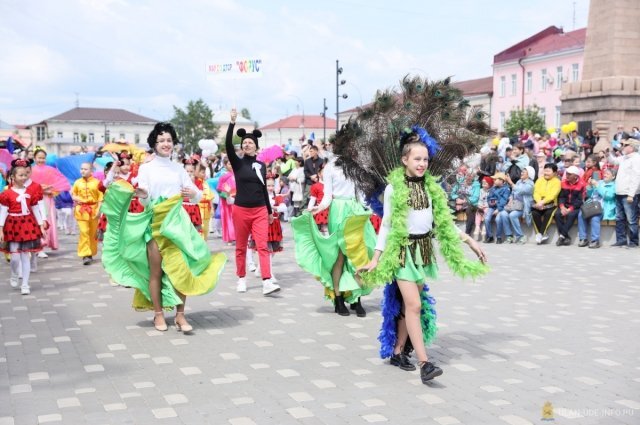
{"x":487,"y":184}
{"x":496,"y":200}
{"x":545,"y":197}
{"x":591,"y":166}
{"x":516,"y":162}
{"x":519,"y":206}
{"x":604,"y":192}
{"x":473,"y":195}
{"x":570,"y":200}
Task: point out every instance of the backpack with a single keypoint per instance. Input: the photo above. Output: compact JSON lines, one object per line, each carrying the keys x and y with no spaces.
{"x":514,"y":171}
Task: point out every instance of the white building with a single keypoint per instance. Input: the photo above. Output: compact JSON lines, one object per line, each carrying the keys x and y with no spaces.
{"x":86,"y":129}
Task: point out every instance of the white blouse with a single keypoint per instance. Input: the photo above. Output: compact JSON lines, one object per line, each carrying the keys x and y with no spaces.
{"x":419,"y":222}
{"x":162,"y":177}
{"x":336,"y":185}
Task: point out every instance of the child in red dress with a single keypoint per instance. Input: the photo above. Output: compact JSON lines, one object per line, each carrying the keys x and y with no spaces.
{"x":316,"y":193}
{"x":192,"y":209}
{"x":21,"y":224}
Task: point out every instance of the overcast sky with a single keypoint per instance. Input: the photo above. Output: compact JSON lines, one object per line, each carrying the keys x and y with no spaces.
{"x":148,"y":55}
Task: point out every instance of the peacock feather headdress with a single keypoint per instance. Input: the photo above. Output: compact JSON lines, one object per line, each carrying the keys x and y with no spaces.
{"x":369,"y":146}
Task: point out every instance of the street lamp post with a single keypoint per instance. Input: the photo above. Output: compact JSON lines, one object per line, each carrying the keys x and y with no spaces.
{"x":339,"y":83}
{"x":301,"y":104}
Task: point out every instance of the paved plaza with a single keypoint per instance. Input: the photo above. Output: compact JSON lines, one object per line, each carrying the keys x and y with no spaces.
{"x":550,"y":327}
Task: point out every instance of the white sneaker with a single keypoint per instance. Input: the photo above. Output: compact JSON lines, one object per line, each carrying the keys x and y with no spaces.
{"x":25,"y":290}
{"x":268,"y":287}
{"x":257,"y":272}
{"x":242,"y":285}
{"x":273,"y":278}
{"x":252,"y":267}
{"x":538,"y":238}
{"x":544,"y":237}
{"x":13,"y":281}
{"x":42,"y":254}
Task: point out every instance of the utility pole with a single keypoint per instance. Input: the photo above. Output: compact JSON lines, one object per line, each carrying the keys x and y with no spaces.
{"x":324,"y":119}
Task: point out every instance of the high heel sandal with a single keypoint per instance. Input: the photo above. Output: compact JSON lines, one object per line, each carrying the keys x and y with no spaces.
{"x":182,"y":328}
{"x":161,"y":328}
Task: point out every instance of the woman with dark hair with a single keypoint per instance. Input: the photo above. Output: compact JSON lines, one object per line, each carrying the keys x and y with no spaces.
{"x":159,"y":267}
{"x":252,"y":208}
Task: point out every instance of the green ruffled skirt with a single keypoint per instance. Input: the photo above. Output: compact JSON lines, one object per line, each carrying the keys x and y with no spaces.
{"x":415,"y":271}
{"x":350,"y":232}
{"x":188,"y":266}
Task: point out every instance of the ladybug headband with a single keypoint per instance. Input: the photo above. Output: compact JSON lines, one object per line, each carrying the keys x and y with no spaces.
{"x":189,"y":161}
{"x":124,"y":155}
{"x":21,"y":163}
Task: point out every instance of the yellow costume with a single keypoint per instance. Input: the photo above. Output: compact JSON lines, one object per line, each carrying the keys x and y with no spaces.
{"x":205,"y":208}
{"x":87,"y":196}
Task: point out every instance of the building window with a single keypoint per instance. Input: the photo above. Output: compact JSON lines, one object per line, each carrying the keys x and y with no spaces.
{"x":60,"y":134}
{"x":502,"y":121}
{"x":41,"y":133}
{"x":137,"y":138}
{"x":92,"y":138}
{"x":556,"y":122}
{"x":574,"y":72}
{"x":121,"y":136}
{"x":106,"y":136}
{"x":543,"y":80}
{"x":559,"y":77}
{"x":503,"y":85}
{"x":514,"y":84}
{"x":543,"y":114}
{"x":529,"y":81}
{"x":76,"y":137}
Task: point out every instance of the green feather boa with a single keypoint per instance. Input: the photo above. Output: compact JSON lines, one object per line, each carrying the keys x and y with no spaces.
{"x":444,"y":229}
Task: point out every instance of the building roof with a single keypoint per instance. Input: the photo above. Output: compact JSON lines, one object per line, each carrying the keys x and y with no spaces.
{"x":100,"y":114}
{"x":475,"y":87}
{"x":549,"y":40}
{"x":224,"y":117}
{"x":468,"y":87}
{"x":300,"y":121}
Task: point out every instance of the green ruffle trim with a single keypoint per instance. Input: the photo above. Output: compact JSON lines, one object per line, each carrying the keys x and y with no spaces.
{"x":444,"y":228}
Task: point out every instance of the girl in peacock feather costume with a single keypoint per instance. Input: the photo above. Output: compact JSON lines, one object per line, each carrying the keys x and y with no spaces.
{"x":388,"y":147}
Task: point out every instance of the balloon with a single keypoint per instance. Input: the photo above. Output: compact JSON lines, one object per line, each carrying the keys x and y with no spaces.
{"x":51,"y":159}
{"x":565,"y":128}
{"x":572,"y":126}
{"x":551,"y":130}
{"x":208,"y":145}
{"x":495,"y":141}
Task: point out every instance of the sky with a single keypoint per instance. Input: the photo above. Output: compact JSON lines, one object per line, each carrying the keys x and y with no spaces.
{"x":146,"y":56}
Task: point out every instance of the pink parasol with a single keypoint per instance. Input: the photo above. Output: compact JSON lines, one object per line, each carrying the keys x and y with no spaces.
{"x":5,"y":158}
{"x":50,"y":176}
{"x":270,"y":154}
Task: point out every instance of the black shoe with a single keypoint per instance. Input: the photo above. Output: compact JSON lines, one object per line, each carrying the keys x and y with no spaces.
{"x":560,"y":241}
{"x":428,"y":371}
{"x":594,"y":244}
{"x":566,"y":241}
{"x":488,"y":240}
{"x":86,"y":261}
{"x":619,"y":244}
{"x":583,"y":243}
{"x":499,"y":240}
{"x":357,"y":306}
{"x":632,"y":245}
{"x":402,"y":361}
{"x":340,"y":308}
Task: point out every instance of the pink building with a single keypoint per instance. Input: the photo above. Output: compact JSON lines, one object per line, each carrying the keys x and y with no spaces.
{"x":533,"y":71}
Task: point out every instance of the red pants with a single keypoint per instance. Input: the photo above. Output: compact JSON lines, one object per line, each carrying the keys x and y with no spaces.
{"x":254,"y":221}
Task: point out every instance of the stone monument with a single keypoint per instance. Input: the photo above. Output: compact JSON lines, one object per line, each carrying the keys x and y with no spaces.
{"x":608,"y":94}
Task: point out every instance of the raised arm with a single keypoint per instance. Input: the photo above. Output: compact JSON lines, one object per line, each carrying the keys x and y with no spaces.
{"x":231,"y":151}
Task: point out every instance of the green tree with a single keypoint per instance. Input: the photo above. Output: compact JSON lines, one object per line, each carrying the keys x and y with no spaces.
{"x":193,"y":124}
{"x":528,"y":119}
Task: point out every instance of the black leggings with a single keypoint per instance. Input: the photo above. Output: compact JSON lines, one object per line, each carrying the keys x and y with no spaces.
{"x":542,"y":219}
